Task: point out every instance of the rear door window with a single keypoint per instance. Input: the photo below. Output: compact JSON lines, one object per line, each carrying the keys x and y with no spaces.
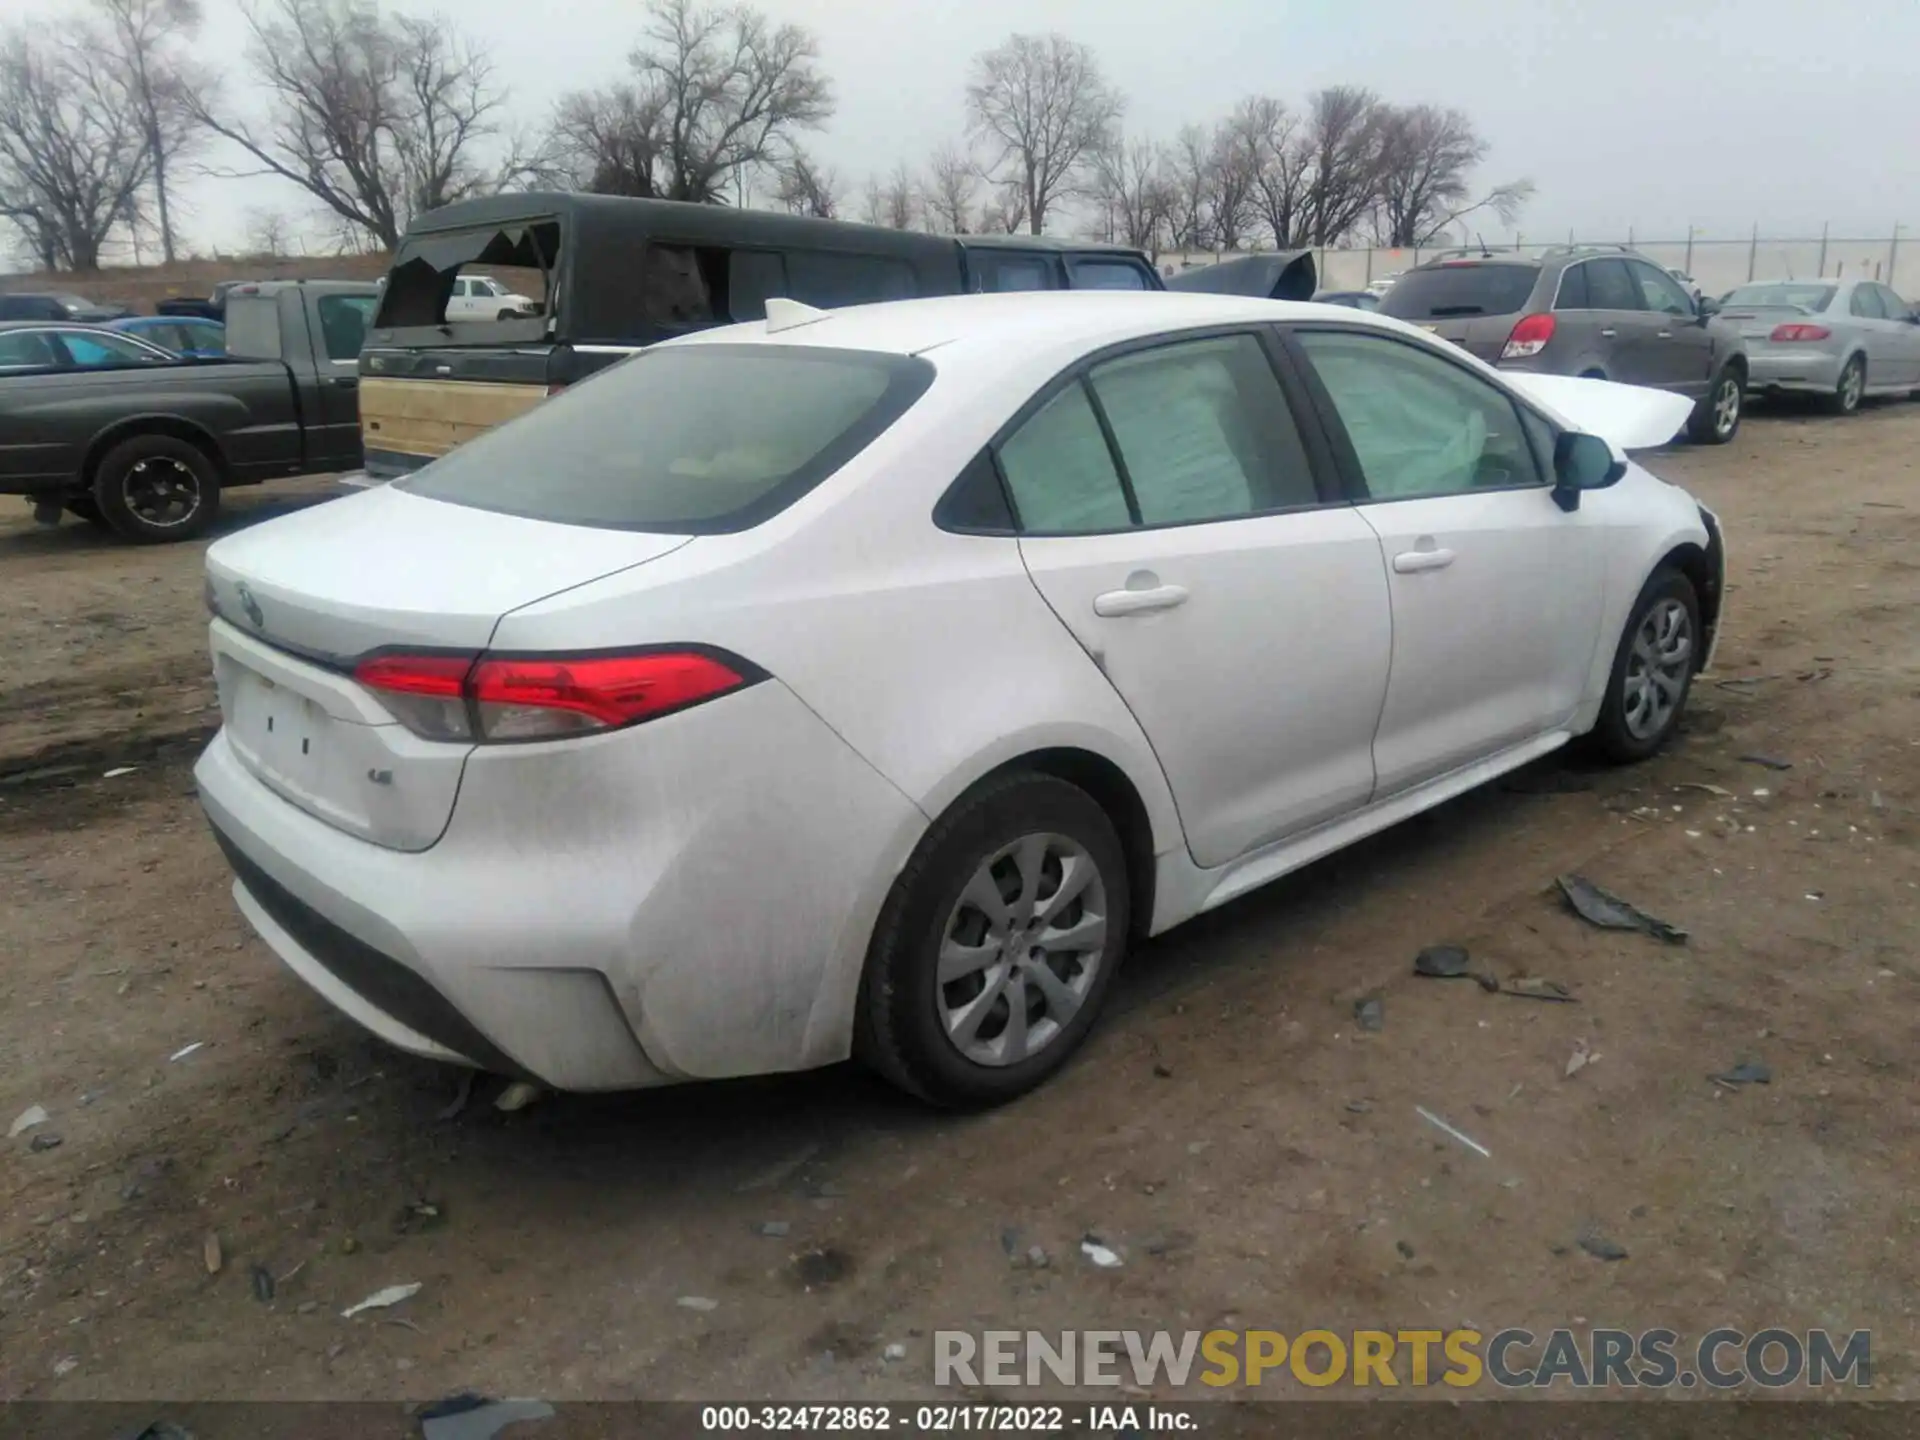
{"x":1573,"y":290}
{"x":27,"y":347}
{"x":1060,"y":471}
{"x":683,"y":439}
{"x":94,"y":351}
{"x":1204,"y":431}
{"x":1449,"y":291}
{"x":1610,"y":286}
{"x":1866,"y":304}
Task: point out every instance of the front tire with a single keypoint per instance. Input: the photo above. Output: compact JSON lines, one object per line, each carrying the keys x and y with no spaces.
{"x":1653,"y":670}
{"x":154,"y":489}
{"x":997,"y":945}
{"x":1716,"y":419}
{"x":1851,"y":388}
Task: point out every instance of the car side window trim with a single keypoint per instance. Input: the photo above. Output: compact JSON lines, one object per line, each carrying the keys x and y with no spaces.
{"x":1327,"y":482}
{"x":1327,"y":414}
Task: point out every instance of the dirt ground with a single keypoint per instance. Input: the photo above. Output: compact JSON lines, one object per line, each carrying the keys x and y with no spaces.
{"x":1254,"y":1157}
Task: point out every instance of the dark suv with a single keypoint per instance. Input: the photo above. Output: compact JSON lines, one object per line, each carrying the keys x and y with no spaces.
{"x":1604,"y":312}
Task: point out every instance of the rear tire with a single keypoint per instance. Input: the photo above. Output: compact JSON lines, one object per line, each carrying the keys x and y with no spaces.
{"x":1716,"y":419}
{"x":1850,"y":389}
{"x":153,"y":489}
{"x":1024,"y":876}
{"x":1653,"y":670}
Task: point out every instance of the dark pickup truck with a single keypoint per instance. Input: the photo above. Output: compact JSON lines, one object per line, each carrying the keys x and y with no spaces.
{"x":144,"y":446}
{"x":214,"y":307}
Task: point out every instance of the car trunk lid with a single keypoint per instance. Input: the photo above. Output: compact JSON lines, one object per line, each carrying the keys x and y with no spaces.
{"x":299,"y":600}
{"x":1757,"y":322}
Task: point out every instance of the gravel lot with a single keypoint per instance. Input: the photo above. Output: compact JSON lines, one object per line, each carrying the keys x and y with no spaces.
{"x":1254,"y":1157}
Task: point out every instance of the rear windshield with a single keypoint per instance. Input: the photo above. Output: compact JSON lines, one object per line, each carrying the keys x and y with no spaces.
{"x":1460,"y":290}
{"x":490,"y":274}
{"x":1800,"y":297}
{"x":688,"y":440}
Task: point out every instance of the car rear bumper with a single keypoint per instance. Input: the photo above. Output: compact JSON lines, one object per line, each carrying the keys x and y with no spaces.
{"x":1793,"y":368}
{"x":687,"y":899}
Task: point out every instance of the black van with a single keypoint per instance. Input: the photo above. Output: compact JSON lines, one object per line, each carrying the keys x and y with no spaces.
{"x":578,"y":281}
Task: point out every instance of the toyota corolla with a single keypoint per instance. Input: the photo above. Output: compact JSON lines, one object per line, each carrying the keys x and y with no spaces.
{"x":865,"y":682}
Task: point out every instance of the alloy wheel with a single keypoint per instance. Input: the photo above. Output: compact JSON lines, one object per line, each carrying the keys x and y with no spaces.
{"x":1021,"y":949}
{"x":162,"y":492}
{"x":1726,"y":407}
{"x":1659,"y":664}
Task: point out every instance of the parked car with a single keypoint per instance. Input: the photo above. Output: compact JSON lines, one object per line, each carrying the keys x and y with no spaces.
{"x":481,"y":297}
{"x":1602,"y":312}
{"x":619,"y":274}
{"x":1352,"y":299}
{"x":1385,"y":283}
{"x":1842,"y":340}
{"x":868,"y":681}
{"x":77,"y":308}
{"x":105,"y":426}
{"x":214,"y":307}
{"x":188,"y":336}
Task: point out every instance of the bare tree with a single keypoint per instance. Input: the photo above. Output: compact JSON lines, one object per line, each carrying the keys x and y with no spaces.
{"x":1426,"y":158}
{"x":806,"y":188}
{"x":73,"y":154}
{"x":376,"y":119}
{"x":267,"y":232}
{"x":1135,"y":194}
{"x":1340,"y":146}
{"x":604,"y":141}
{"x":947,"y":197}
{"x":1044,"y":102}
{"x":1233,"y":168}
{"x":1188,"y":165}
{"x":1269,"y":131}
{"x":732,"y":89}
{"x":145,"y":42}
{"x":1004,"y":211}
{"x":900,"y":204}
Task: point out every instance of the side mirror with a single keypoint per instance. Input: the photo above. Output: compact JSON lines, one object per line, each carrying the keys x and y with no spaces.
{"x":1582,"y":462}
{"x":1708,"y":307}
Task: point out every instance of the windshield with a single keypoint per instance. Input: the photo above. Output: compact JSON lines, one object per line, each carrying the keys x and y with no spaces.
{"x":701,"y":439}
{"x":1777,"y":296}
{"x":1466,"y":289}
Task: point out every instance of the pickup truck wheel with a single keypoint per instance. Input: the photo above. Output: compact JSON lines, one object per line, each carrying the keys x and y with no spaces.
{"x":154,"y":488}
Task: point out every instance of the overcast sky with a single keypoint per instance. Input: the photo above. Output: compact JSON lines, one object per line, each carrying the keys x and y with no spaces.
{"x":1654,"y":114}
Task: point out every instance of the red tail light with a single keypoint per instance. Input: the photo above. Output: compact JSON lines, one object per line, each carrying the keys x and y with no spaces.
{"x":495,"y":698}
{"x":1787,"y":334}
{"x":1529,"y":337}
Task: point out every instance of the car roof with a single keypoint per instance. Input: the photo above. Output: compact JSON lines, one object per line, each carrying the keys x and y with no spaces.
{"x":84,"y":326}
{"x":1044,"y":327}
{"x":998,"y":241}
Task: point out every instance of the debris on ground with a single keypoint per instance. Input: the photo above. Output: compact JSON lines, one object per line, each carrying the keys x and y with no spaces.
{"x":1529,"y":987}
{"x":895,"y":1351}
{"x":1101,"y":1255}
{"x":1359,"y":1107}
{"x":775,"y":1229}
{"x":1581,"y":1058}
{"x":1464,"y":1138}
{"x":419,"y":1215}
{"x":1601,"y":1248}
{"x":1747,"y":1072}
{"x":460,"y":1097}
{"x":118,"y":771}
{"x":184,"y":1051}
{"x":211,"y":1254}
{"x":28,"y":1118}
{"x":697,"y":1302}
{"x":45,"y":1140}
{"x":1600,"y":907}
{"x":517,"y":1096}
{"x":1719,"y":791}
{"x":1371,"y":1014}
{"x":262,"y":1281}
{"x":64,"y":1367}
{"x":1442,"y":962}
{"x":382,"y":1299}
{"x":474,"y":1417}
{"x":1766,"y":762}
{"x":1037,"y":1257}
{"x":1162,"y":1071}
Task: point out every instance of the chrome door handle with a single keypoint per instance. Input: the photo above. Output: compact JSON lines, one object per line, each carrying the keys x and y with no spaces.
{"x":1412,"y":562}
{"x":1139,"y":602}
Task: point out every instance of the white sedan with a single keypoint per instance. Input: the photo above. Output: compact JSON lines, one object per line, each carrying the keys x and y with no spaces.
{"x":866,"y":682}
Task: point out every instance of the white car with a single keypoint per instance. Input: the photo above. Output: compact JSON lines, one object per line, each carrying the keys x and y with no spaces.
{"x":867,"y":681}
{"x":481,"y":297}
